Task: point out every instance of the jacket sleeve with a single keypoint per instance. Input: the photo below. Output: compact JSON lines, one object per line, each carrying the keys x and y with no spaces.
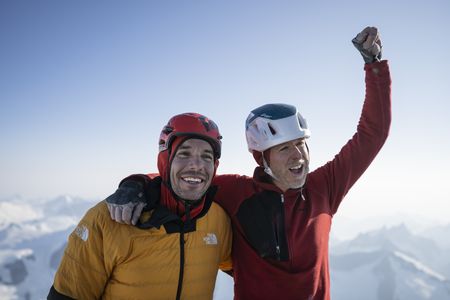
{"x":231,"y":189}
{"x":226,"y":238}
{"x":84,"y":271}
{"x":372,"y":131}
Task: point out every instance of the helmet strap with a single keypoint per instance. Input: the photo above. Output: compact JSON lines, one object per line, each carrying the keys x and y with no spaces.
{"x":267,"y":169}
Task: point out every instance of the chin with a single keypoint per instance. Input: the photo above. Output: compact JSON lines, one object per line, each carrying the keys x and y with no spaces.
{"x":194,"y":197}
{"x":297,"y":184}
{"x":294,"y":187}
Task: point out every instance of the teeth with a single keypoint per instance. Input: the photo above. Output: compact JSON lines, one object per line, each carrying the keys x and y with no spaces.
{"x":192,"y":179}
{"x":296,"y":167}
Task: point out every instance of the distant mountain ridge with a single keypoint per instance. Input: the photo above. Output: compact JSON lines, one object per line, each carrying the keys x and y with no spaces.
{"x":387,"y":264}
{"x":399,"y":238}
{"x":32,"y":239}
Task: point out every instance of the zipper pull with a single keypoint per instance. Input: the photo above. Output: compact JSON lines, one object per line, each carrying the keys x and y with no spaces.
{"x":282,"y":198}
{"x":301,"y":194}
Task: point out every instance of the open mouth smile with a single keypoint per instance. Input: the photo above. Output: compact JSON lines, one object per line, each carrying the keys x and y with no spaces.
{"x":298,"y":169}
{"x":192,"y":180}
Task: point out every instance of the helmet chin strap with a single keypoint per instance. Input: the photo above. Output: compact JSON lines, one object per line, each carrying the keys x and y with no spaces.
{"x":267,"y":169}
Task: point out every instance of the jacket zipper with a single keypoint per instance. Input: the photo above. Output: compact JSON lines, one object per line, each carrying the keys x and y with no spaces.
{"x":181,"y":274}
{"x":278,"y":228}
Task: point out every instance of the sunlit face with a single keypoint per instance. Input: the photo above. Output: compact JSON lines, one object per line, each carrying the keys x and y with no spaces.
{"x":192,"y":169}
{"x":289,"y":163}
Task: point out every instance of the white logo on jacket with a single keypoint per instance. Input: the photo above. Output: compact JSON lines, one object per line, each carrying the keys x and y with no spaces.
{"x":210,"y":239}
{"x":82,"y":231}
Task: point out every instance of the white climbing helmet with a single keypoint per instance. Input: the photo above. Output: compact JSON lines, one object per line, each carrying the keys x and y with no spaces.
{"x":273,"y":124}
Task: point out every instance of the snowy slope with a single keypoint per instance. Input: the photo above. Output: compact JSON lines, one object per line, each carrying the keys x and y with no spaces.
{"x":399,"y":238}
{"x":32,"y":237}
{"x":385,"y":275}
{"x":390,"y":263}
{"x":439,"y":234}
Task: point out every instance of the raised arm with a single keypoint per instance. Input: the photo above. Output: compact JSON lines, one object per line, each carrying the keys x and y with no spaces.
{"x":373,"y":128}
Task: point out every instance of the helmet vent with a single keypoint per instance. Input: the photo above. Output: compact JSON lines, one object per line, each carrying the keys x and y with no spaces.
{"x":272,"y":130}
{"x":167,"y":129}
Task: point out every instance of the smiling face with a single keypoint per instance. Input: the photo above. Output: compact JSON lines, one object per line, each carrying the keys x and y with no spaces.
{"x":289,"y":163}
{"x":192,"y":169}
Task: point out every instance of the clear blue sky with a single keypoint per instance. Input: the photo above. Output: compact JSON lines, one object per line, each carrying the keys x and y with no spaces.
{"x":86,"y":86}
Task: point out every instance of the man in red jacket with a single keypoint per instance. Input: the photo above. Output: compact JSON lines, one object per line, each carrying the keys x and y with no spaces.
{"x":282,"y":215}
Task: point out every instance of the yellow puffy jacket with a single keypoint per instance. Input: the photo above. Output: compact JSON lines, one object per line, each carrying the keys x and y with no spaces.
{"x":108,"y":260}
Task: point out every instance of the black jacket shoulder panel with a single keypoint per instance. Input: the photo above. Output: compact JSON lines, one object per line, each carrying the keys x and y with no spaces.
{"x":262,"y":219}
{"x":55,"y":295}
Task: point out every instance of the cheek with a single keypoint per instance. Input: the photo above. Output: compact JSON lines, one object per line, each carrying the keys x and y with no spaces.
{"x":210,"y":169}
{"x":277,"y":161}
{"x":171,"y":179}
{"x":174,"y":168}
{"x":305,"y":153}
{"x":277,"y":169}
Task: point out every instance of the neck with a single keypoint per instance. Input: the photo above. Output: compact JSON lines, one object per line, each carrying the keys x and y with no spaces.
{"x":279,"y":185}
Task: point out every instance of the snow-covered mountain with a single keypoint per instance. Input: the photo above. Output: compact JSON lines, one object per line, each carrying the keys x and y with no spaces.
{"x":32,"y":240}
{"x":390,"y":263}
{"x":440,"y":235}
{"x":387,"y":263}
{"x":385,"y":275}
{"x":399,"y":238}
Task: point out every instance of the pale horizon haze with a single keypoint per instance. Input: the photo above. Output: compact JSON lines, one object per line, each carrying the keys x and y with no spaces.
{"x":86,"y":86}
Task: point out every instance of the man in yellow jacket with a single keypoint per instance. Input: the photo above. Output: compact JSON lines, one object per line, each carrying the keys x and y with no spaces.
{"x":181,"y":240}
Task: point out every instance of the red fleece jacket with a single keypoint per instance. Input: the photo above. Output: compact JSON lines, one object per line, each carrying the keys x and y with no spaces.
{"x":307,"y":212}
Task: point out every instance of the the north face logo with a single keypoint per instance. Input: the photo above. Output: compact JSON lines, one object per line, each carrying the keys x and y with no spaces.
{"x":82,"y":232}
{"x":210,"y":239}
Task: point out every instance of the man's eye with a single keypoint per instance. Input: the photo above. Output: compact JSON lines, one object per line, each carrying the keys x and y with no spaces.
{"x":183,"y":154}
{"x":283,"y":148}
{"x":208,"y":157}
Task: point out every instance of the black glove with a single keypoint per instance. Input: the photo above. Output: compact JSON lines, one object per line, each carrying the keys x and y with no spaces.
{"x":368,"y":43}
{"x":127,"y":202}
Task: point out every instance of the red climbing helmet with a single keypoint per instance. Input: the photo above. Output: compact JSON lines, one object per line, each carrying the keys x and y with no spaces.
{"x":191,"y":125}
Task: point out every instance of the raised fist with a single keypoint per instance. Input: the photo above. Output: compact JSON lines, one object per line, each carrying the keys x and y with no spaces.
{"x":368,"y":43}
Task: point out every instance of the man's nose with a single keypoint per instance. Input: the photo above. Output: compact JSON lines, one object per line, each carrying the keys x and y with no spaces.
{"x":195,"y":163}
{"x":298,"y":152}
